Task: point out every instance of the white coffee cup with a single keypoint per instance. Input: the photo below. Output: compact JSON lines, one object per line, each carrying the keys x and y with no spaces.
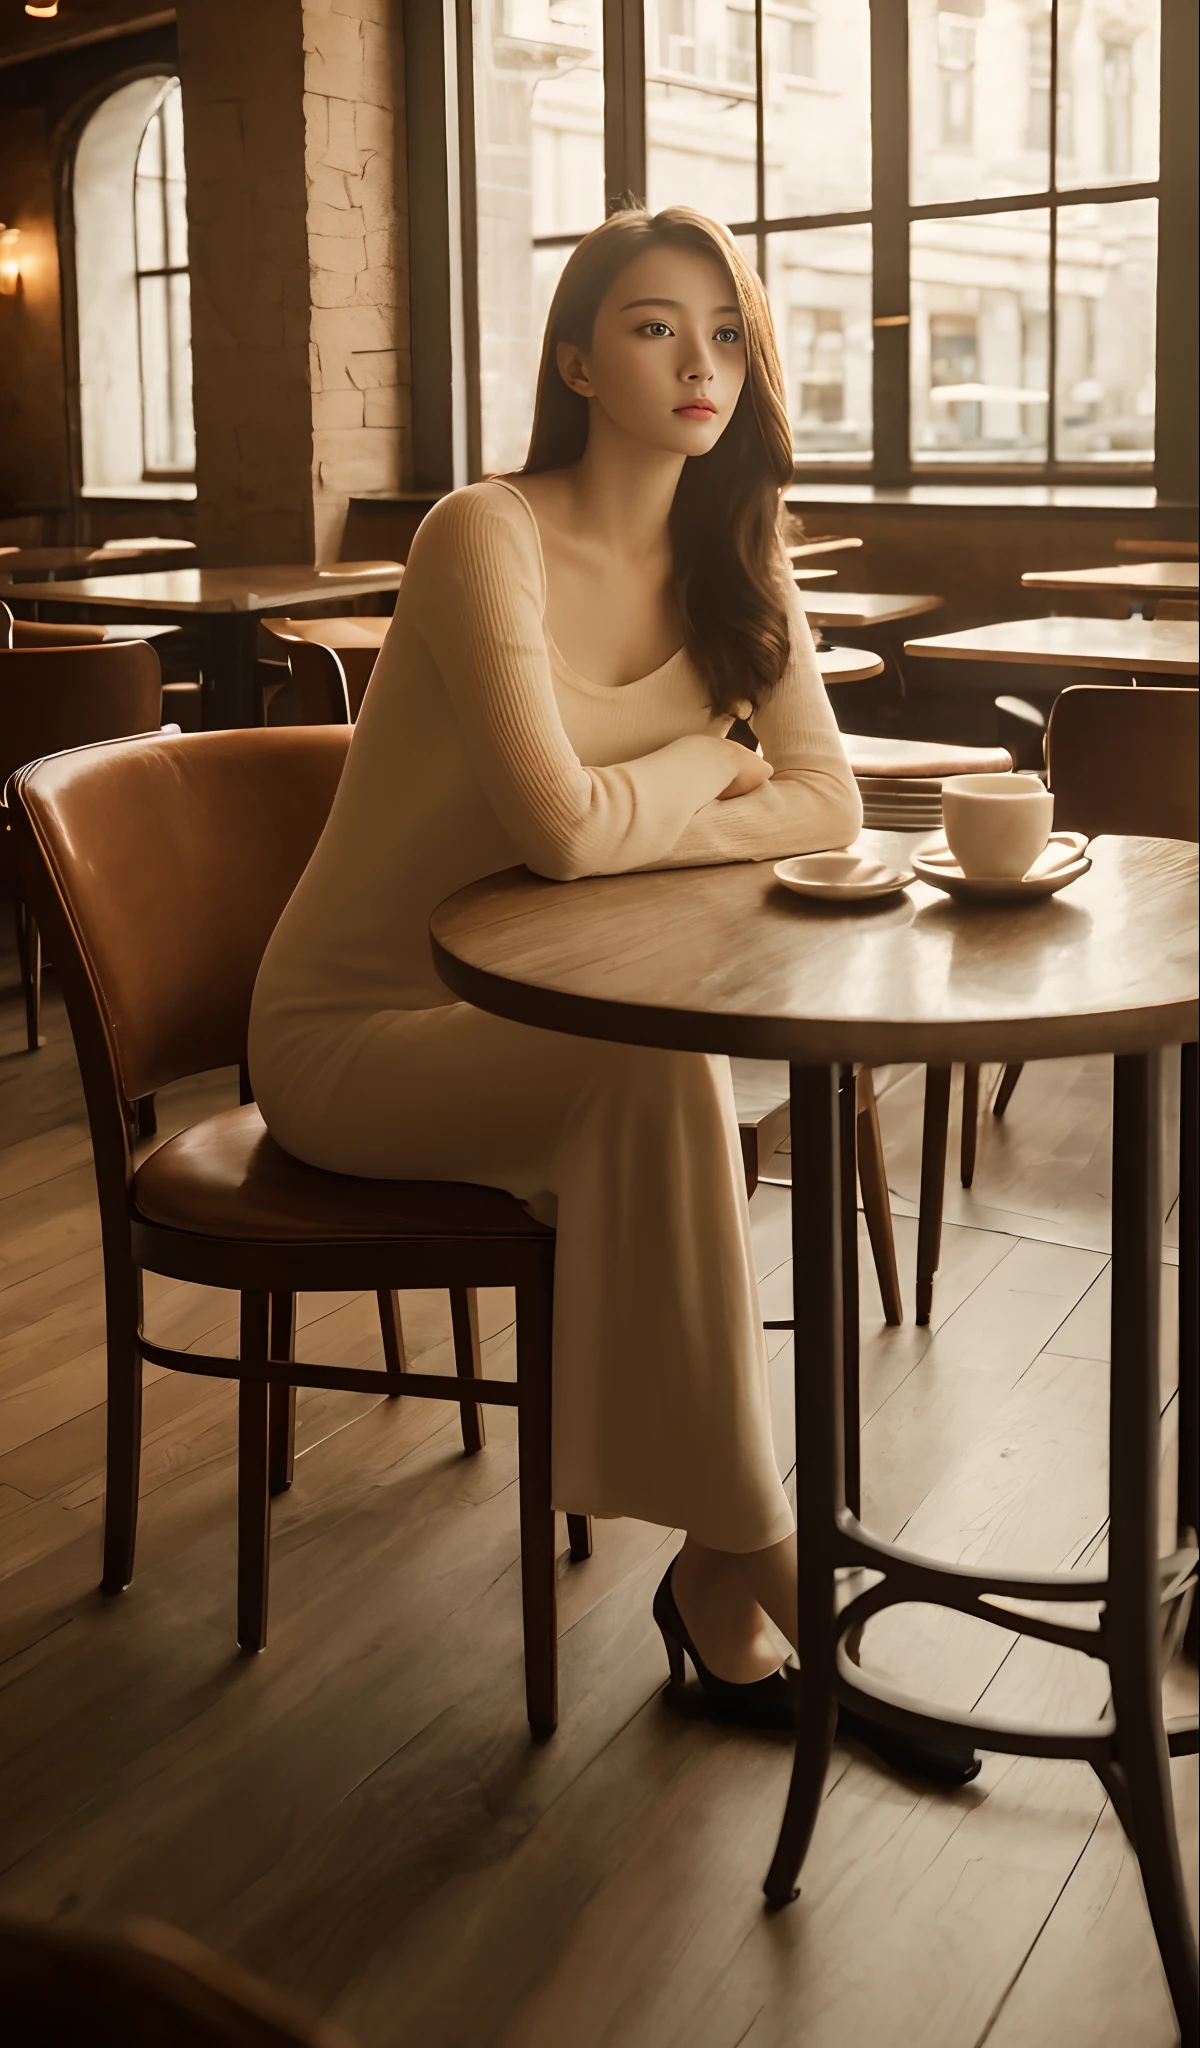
{"x":996,"y":825}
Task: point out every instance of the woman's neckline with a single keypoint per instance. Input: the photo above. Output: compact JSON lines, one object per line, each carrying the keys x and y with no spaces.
{"x":572,"y":674}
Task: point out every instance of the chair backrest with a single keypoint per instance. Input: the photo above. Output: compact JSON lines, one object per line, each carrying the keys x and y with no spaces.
{"x":144,"y":1986}
{"x":1126,"y":760}
{"x":56,"y":697}
{"x":158,"y":870}
{"x":54,"y":633}
{"x":351,"y":639}
{"x":7,"y":623}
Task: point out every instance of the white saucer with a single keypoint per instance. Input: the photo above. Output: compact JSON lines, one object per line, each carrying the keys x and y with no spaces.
{"x":840,"y":877}
{"x":1062,"y":861}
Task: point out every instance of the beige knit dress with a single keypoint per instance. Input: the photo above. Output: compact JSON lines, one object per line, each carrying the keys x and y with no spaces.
{"x":477,"y":748}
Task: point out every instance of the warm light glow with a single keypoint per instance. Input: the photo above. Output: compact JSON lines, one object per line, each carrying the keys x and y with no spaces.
{"x":42,"y":13}
{"x":10,"y":260}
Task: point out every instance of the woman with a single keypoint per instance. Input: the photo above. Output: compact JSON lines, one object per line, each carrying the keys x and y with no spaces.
{"x":569,"y":652}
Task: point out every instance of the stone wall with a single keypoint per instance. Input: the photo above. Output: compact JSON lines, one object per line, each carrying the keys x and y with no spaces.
{"x":357,"y":245}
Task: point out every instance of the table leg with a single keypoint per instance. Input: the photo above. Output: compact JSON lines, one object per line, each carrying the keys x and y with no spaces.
{"x":1133,"y":1614}
{"x":229,"y":643}
{"x":848,"y":1166}
{"x":817,"y":1346}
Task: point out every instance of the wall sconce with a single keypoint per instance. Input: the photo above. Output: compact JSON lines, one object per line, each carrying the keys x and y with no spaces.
{"x":46,"y":12}
{"x":10,"y":260}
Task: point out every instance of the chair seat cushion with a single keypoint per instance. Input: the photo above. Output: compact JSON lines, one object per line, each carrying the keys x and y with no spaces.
{"x":227,"y":1178}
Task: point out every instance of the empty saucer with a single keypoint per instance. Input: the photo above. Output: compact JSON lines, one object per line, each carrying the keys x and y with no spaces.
{"x":840,"y":877}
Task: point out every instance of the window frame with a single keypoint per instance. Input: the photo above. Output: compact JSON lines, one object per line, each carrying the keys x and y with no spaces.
{"x":150,"y":474}
{"x":890,"y":215}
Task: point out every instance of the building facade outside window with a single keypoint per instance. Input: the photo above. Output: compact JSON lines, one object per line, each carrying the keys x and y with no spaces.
{"x":1029,"y":237}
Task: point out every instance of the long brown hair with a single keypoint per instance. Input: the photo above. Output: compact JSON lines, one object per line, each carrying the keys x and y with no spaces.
{"x":725,"y":519}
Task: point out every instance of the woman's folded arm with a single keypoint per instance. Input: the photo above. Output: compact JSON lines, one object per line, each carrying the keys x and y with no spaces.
{"x":477,"y":565}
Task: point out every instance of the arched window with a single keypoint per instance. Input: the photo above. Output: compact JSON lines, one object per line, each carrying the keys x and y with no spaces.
{"x":132,"y":293}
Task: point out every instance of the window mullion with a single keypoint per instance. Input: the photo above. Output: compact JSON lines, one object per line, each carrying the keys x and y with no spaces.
{"x":760,"y":145}
{"x":890,"y":240}
{"x":624,"y":101}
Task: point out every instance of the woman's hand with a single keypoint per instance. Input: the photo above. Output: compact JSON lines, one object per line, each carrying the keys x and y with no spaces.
{"x":750,"y":771}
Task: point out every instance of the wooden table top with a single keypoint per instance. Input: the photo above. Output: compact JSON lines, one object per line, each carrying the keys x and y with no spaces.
{"x":823,"y":544}
{"x":1138,"y":579}
{"x":1167,"y":647}
{"x":848,"y":664}
{"x":723,"y":959}
{"x":271,"y":588}
{"x":1147,"y":550}
{"x":21,"y":565}
{"x":866,"y":607}
{"x":812,"y":575}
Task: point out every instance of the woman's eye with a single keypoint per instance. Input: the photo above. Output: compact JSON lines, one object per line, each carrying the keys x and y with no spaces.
{"x":727,"y":334}
{"x":656,"y":328}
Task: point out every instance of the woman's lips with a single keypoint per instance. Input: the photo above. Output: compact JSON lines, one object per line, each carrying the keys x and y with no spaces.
{"x":699,"y":409}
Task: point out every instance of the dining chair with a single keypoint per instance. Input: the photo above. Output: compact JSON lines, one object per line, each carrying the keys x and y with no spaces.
{"x":1119,"y":760}
{"x":53,"y":697}
{"x":159,"y":871}
{"x":139,"y":1985}
{"x":44,"y":633}
{"x":320,"y":690}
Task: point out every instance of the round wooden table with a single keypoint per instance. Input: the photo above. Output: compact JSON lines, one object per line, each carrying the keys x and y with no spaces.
{"x":724,"y":960}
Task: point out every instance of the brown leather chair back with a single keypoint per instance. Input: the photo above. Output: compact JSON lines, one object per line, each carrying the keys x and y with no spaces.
{"x":56,"y":697}
{"x":1126,"y":760}
{"x":143,"y":1986}
{"x":158,"y":870}
{"x":52,"y":633}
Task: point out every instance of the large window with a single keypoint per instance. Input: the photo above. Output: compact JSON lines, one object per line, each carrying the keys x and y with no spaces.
{"x":132,"y":293}
{"x":952,"y":203}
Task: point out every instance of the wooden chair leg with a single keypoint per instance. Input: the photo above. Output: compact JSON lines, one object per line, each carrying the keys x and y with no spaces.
{"x":123,"y":1457}
{"x":933,"y":1184}
{"x":539,"y":1599}
{"x":468,"y":1363}
{"x":29,"y":954}
{"x":877,"y":1207}
{"x":254,"y":1498}
{"x":969,"y":1135}
{"x":281,"y":1400}
{"x":395,"y":1357}
{"x":1004,"y":1093}
{"x":1188,"y":1491}
{"x":579,"y":1537}
{"x":851,"y":1418}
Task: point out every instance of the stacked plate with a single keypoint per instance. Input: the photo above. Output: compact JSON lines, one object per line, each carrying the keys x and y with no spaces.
{"x":901,"y":803}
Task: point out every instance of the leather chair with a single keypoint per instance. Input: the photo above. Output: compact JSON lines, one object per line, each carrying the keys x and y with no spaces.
{"x":326,"y":691}
{"x":143,"y":1985}
{"x":159,"y":871}
{"x":1119,"y":760}
{"x":52,"y":697}
{"x":37,"y":633}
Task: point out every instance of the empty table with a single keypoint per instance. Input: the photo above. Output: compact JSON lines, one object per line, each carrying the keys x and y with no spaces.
{"x":25,"y":565}
{"x":848,"y":664}
{"x":1121,"y":579}
{"x":866,"y":607}
{"x":722,"y":960}
{"x":1160,"y":647}
{"x":223,"y":606}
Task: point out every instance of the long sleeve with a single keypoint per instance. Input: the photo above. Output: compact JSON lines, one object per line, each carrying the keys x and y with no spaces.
{"x":812,"y":800}
{"x":475,"y":585}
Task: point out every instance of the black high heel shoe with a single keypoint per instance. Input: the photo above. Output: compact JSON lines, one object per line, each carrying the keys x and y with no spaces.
{"x":772,"y":1703}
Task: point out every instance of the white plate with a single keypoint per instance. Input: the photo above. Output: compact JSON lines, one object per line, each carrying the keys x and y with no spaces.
{"x":840,"y":877}
{"x":1062,"y":862}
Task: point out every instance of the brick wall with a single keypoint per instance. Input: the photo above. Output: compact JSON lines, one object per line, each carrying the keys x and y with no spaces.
{"x":354,"y":164}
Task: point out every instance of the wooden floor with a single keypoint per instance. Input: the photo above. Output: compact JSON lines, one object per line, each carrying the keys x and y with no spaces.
{"x":358,"y":1814}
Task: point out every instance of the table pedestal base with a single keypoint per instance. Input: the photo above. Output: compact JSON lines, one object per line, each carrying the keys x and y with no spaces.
{"x":1143,"y":1600}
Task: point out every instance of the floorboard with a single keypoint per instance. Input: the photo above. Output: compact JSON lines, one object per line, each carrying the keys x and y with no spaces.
{"x":359,"y":1815}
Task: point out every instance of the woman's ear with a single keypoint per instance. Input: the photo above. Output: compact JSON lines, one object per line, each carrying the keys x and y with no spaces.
{"x":573,"y":369}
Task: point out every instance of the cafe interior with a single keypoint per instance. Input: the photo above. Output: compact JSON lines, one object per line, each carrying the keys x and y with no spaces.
{"x":273,"y":281}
